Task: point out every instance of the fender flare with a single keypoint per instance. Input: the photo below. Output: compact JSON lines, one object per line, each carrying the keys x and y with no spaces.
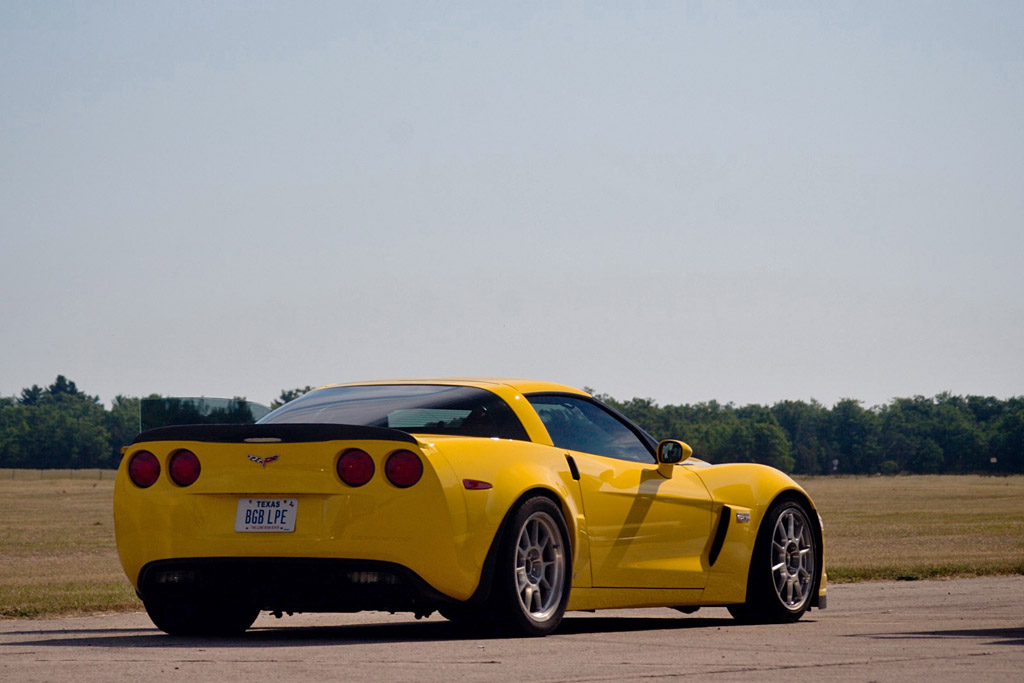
{"x":483,"y":589}
{"x":799,"y":497}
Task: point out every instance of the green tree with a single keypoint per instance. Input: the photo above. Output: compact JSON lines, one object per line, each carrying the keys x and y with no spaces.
{"x":1008,"y":442}
{"x":13,"y":430}
{"x":933,"y":435}
{"x":66,"y":429}
{"x":807,"y":427}
{"x":288,"y":395}
{"x":123,"y":422}
{"x":31,"y":396}
{"x":963,"y":441}
{"x":762,"y":439}
{"x":62,"y":386}
{"x":855,"y":431}
{"x":771,"y":447}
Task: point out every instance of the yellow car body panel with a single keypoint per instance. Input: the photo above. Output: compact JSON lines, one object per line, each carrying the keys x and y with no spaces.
{"x":743,"y":488}
{"x":646,"y":531}
{"x":423,"y":527}
{"x":534,"y":468}
{"x":638,"y":538}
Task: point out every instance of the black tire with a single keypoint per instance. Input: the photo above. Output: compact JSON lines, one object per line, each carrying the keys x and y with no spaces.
{"x":185,"y":617}
{"x":533,"y":574}
{"x":784,"y":567}
{"x":466,"y":618}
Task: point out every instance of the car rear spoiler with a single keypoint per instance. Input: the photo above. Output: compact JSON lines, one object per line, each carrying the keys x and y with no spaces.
{"x":273,"y":433}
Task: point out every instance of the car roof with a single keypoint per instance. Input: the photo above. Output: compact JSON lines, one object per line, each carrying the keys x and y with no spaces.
{"x":521,"y":386}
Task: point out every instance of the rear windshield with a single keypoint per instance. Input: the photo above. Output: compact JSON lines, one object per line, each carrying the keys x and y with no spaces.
{"x":416,"y":408}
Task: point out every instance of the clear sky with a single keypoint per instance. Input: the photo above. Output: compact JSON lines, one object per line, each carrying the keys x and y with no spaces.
{"x":737,"y":201}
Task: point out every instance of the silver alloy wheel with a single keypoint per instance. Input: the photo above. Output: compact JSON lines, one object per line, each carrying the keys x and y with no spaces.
{"x":539,"y":566}
{"x":793,"y":558}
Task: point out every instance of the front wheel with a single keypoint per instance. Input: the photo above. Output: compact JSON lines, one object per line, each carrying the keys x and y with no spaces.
{"x":534,"y":570}
{"x":783,"y":569}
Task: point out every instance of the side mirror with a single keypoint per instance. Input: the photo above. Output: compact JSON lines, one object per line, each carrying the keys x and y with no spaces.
{"x":671,"y":452}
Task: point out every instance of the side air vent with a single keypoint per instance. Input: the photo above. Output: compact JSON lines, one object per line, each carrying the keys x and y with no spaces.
{"x":723,"y":527}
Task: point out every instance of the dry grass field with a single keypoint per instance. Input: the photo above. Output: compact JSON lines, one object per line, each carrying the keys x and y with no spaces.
{"x":911,"y":527}
{"x":57,"y":552}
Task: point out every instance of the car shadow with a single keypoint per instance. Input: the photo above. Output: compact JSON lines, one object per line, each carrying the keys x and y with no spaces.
{"x":994,"y":636}
{"x":356,"y":634}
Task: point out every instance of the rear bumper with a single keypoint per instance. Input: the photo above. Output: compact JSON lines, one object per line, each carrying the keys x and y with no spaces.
{"x":424,"y":528}
{"x":292,"y":584}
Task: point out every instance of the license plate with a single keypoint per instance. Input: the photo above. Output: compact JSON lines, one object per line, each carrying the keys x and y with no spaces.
{"x":266,"y":514}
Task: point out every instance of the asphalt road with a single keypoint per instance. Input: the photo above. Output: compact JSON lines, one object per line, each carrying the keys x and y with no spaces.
{"x":958,"y":630}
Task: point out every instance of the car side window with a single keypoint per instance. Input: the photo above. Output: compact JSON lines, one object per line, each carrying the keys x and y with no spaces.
{"x":576,"y":424}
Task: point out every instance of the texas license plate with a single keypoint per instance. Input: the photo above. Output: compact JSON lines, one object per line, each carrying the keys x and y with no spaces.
{"x":266,"y":514}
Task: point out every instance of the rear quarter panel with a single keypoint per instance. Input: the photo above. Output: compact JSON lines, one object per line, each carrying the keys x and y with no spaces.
{"x":515,"y":470}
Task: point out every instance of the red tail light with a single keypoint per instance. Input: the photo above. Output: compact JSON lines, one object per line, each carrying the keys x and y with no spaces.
{"x":184,"y":468}
{"x":403,"y":469}
{"x":143,"y":469}
{"x":355,"y":467}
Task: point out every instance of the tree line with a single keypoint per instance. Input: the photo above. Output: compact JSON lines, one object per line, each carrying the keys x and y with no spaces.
{"x":60,"y":426}
{"x":945,"y":434}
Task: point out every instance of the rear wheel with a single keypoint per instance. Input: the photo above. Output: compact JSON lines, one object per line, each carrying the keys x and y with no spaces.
{"x":190,"y":617}
{"x":533,"y":572}
{"x":465,"y":617}
{"x":783,"y":569}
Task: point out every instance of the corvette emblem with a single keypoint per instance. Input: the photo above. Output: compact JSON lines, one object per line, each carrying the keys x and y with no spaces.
{"x":264,"y":461}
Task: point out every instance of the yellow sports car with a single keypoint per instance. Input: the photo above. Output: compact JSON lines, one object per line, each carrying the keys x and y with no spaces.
{"x":495,"y":501}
